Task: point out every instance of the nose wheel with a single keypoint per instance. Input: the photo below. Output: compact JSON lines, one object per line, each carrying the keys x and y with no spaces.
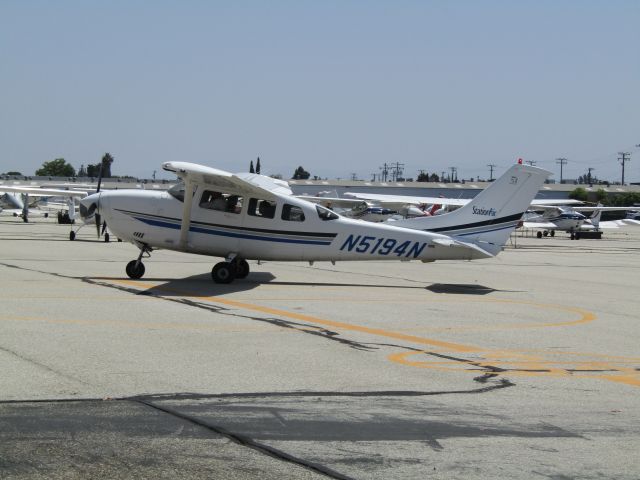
{"x":135,"y":268}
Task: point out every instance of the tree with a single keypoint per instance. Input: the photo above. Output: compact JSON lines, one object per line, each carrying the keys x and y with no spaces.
{"x":601,"y":195}
{"x":56,"y":168}
{"x":94,"y":170}
{"x":258,"y":166}
{"x":251,"y":169}
{"x":82,"y":172}
{"x":578,"y":194}
{"x":434,"y":177}
{"x":300,"y":174}
{"x":107,"y":160}
{"x":422,"y":177}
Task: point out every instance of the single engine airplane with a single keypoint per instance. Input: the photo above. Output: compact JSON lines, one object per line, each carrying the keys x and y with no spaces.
{"x":244,"y":217}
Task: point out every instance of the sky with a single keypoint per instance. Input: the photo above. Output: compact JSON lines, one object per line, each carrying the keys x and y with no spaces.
{"x":338,"y":87}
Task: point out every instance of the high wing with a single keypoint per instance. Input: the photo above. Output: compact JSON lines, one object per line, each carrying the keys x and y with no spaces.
{"x":244,"y":183}
{"x":402,"y":200}
{"x":43,"y":192}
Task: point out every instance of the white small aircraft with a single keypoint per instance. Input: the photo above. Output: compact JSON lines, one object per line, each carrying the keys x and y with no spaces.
{"x":251,"y":217}
{"x":568,"y":219}
{"x":22,"y":195}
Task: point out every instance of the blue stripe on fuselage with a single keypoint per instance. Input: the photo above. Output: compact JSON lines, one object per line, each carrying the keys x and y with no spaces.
{"x":175,"y":226}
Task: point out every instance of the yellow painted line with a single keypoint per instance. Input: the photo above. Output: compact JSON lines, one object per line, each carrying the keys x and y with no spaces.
{"x":320,"y":321}
{"x":493,"y":357}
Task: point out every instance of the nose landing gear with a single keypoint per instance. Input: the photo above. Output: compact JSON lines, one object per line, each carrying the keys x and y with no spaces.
{"x":135,"y":268}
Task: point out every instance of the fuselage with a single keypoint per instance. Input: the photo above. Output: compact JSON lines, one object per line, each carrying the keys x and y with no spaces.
{"x":279,"y":228}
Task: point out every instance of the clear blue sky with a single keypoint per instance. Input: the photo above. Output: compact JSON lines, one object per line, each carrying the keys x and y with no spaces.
{"x":338,"y":87}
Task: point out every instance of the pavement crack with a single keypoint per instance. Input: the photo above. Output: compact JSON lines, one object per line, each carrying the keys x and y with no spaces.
{"x":250,"y":443}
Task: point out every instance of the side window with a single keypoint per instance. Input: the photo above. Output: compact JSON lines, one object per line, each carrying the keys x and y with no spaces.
{"x":217,"y":201}
{"x":212,"y":200}
{"x":292,"y":213}
{"x":261,"y":208}
{"x":325,"y":213}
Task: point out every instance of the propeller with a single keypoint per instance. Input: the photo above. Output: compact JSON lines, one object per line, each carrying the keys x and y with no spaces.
{"x":98,"y":217}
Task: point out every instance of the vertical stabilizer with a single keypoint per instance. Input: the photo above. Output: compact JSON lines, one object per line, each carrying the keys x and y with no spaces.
{"x":489,"y":218}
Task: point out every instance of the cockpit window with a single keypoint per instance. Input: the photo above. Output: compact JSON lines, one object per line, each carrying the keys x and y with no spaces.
{"x":326,"y":214}
{"x":261,"y":208}
{"x":177,"y":191}
{"x":292,"y":213}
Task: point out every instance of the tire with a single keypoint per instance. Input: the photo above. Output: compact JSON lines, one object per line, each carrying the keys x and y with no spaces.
{"x":242,"y":268}
{"x":106,"y":237}
{"x":545,"y":233}
{"x":134,"y":272}
{"x":552,"y":233}
{"x":72,"y":235}
{"x":577,"y":236}
{"x":539,"y":234}
{"x":223,"y":272}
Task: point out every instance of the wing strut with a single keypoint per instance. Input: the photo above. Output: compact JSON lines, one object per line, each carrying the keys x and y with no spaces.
{"x":186,"y":211}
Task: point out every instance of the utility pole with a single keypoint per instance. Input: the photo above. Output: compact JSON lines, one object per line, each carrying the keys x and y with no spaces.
{"x":384,"y":172}
{"x":454,"y":173}
{"x":491,"y":167}
{"x":589,"y":175}
{"x":561,"y":162}
{"x":396,"y":170}
{"x":623,"y":158}
{"x":442,"y":177}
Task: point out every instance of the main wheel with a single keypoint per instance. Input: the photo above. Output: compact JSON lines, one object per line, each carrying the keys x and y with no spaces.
{"x":106,"y":237}
{"x":242,"y":268}
{"x":545,"y":233}
{"x":223,"y":272}
{"x":72,"y":235}
{"x":133,"y":271}
{"x":552,"y":233}
{"x":539,"y":234}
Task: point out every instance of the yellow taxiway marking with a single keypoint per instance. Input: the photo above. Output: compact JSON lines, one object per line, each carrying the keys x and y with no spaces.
{"x":512,"y":362}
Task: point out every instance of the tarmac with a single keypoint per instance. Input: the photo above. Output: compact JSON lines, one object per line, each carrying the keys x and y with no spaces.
{"x":526,"y":365}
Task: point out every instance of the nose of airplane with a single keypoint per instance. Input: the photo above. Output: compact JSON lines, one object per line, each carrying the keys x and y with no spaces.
{"x":89,"y":205}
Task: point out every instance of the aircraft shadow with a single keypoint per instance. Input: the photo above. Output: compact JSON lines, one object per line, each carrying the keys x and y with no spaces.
{"x":463,"y":289}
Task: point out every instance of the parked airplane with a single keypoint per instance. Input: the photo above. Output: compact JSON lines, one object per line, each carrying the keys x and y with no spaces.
{"x":261,"y":221}
{"x":568,"y":219}
{"x":21,"y":196}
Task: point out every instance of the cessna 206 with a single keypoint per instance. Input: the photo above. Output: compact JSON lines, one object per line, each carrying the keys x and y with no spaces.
{"x":252,"y":217}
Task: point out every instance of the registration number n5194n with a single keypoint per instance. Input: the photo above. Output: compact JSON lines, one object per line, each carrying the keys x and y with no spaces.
{"x":382,"y":246}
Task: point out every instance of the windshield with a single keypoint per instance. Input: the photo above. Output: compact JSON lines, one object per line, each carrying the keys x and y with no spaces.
{"x":177,"y":191}
{"x":326,"y":214}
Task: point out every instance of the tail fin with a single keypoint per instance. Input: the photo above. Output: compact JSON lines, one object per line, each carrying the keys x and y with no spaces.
{"x":489,"y":218}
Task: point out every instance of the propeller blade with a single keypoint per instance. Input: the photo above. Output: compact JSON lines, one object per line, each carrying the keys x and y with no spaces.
{"x":104,"y":227}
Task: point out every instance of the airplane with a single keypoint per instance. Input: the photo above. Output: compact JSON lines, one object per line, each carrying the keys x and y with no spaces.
{"x":568,"y":219}
{"x":263,"y":221}
{"x":378,"y":207}
{"x":20,"y":196}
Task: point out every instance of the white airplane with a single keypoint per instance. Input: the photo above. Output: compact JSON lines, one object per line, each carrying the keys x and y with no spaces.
{"x":380,"y":207}
{"x":568,"y":219}
{"x":21,"y":195}
{"x":251,"y":217}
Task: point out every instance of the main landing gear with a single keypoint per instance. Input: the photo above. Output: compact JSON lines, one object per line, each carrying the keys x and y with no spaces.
{"x":228,"y":271}
{"x":551,"y":233}
{"x":222,"y":272}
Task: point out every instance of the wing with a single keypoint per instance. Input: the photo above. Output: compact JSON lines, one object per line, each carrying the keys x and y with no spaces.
{"x":539,"y":202}
{"x":334,"y":201}
{"x":245,"y":184}
{"x":44,"y":192}
{"x":547,"y":225}
{"x":401,"y":200}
